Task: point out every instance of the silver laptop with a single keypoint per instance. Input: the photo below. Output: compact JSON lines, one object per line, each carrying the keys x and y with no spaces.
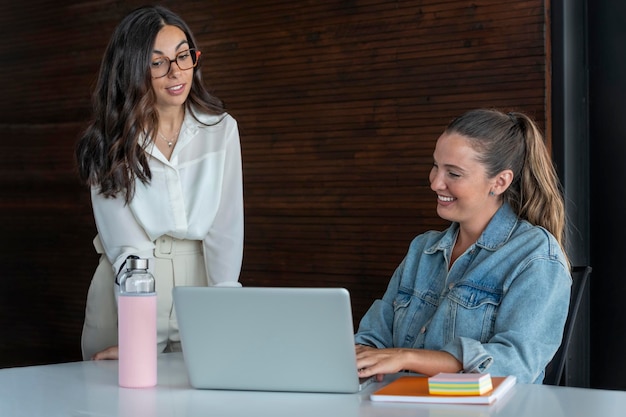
{"x":268,"y":338}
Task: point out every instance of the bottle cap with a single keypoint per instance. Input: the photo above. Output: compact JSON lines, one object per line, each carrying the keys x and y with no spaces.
{"x":136,"y":263}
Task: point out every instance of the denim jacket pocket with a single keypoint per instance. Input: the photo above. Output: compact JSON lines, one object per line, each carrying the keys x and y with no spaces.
{"x":411,"y":313}
{"x":474,"y":309}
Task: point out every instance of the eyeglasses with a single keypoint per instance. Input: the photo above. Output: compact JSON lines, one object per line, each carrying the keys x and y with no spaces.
{"x":185,"y":60}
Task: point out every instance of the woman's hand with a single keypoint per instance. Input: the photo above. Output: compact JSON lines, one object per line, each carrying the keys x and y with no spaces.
{"x":372,"y":361}
{"x":108,"y":353}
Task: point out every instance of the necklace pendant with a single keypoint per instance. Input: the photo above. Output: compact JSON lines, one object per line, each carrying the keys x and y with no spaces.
{"x":170,"y":143}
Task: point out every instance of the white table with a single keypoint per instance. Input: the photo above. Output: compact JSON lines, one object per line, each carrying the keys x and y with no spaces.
{"x":89,"y":389}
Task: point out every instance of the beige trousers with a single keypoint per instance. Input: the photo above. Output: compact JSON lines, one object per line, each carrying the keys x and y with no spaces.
{"x":176,"y":262}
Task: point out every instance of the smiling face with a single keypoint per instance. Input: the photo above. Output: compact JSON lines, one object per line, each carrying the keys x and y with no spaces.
{"x":171,"y":90}
{"x":461,"y":183}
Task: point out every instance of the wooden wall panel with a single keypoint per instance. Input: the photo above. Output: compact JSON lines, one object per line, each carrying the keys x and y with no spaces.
{"x":339,"y":105}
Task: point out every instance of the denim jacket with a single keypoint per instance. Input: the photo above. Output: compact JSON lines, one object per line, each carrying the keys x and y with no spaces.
{"x":501,"y":308}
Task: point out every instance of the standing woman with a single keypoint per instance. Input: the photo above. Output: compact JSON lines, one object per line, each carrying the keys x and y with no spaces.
{"x":491,"y":292}
{"x":163,"y":161}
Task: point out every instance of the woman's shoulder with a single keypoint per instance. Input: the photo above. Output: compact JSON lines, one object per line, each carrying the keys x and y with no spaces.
{"x":529,"y":231}
{"x":431,"y":240}
{"x":207,"y":119}
{"x":538,"y":241}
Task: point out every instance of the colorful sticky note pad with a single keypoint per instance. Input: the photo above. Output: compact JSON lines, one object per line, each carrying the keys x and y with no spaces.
{"x":459,"y":384}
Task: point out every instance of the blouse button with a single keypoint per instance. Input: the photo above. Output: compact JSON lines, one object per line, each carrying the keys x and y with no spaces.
{"x":450,"y":286}
{"x":423,"y":330}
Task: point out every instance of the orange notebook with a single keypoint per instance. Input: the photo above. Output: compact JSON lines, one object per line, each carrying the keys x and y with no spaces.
{"x":414,"y":389}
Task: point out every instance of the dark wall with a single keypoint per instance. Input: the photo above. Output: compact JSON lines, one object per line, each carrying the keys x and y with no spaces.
{"x":339,"y":105}
{"x":570,"y":140}
{"x":607,"y":63}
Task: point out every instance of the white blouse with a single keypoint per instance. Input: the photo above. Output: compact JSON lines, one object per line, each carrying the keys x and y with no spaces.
{"x":196,"y":195}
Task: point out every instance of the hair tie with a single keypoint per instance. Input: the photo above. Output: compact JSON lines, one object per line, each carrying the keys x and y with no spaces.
{"x":513,"y":117}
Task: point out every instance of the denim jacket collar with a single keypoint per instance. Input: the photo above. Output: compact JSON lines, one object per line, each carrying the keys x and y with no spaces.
{"x":496,"y":234}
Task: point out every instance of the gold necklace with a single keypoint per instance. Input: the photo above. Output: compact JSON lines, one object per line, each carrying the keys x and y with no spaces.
{"x":169,"y":142}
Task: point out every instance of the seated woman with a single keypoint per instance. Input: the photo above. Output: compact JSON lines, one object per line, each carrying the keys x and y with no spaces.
{"x":491,"y":292}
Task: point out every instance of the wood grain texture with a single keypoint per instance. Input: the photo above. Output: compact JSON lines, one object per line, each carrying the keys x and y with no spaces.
{"x":339,"y":105}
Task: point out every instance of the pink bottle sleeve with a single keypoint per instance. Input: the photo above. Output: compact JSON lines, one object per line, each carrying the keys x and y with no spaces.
{"x":137,"y":341}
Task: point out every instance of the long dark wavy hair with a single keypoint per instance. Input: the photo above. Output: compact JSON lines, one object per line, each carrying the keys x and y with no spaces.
{"x":109,"y":152}
{"x":513,"y":141}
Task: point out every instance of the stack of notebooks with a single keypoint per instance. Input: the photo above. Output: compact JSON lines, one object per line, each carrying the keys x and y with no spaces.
{"x":446,"y":388}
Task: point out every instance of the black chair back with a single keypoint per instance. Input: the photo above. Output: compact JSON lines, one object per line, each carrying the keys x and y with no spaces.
{"x":554,"y":370}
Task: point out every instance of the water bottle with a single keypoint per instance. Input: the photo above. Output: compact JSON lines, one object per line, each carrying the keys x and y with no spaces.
{"x":137,"y":325}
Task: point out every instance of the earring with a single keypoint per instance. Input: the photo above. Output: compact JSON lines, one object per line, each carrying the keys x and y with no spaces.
{"x":491,"y":193}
